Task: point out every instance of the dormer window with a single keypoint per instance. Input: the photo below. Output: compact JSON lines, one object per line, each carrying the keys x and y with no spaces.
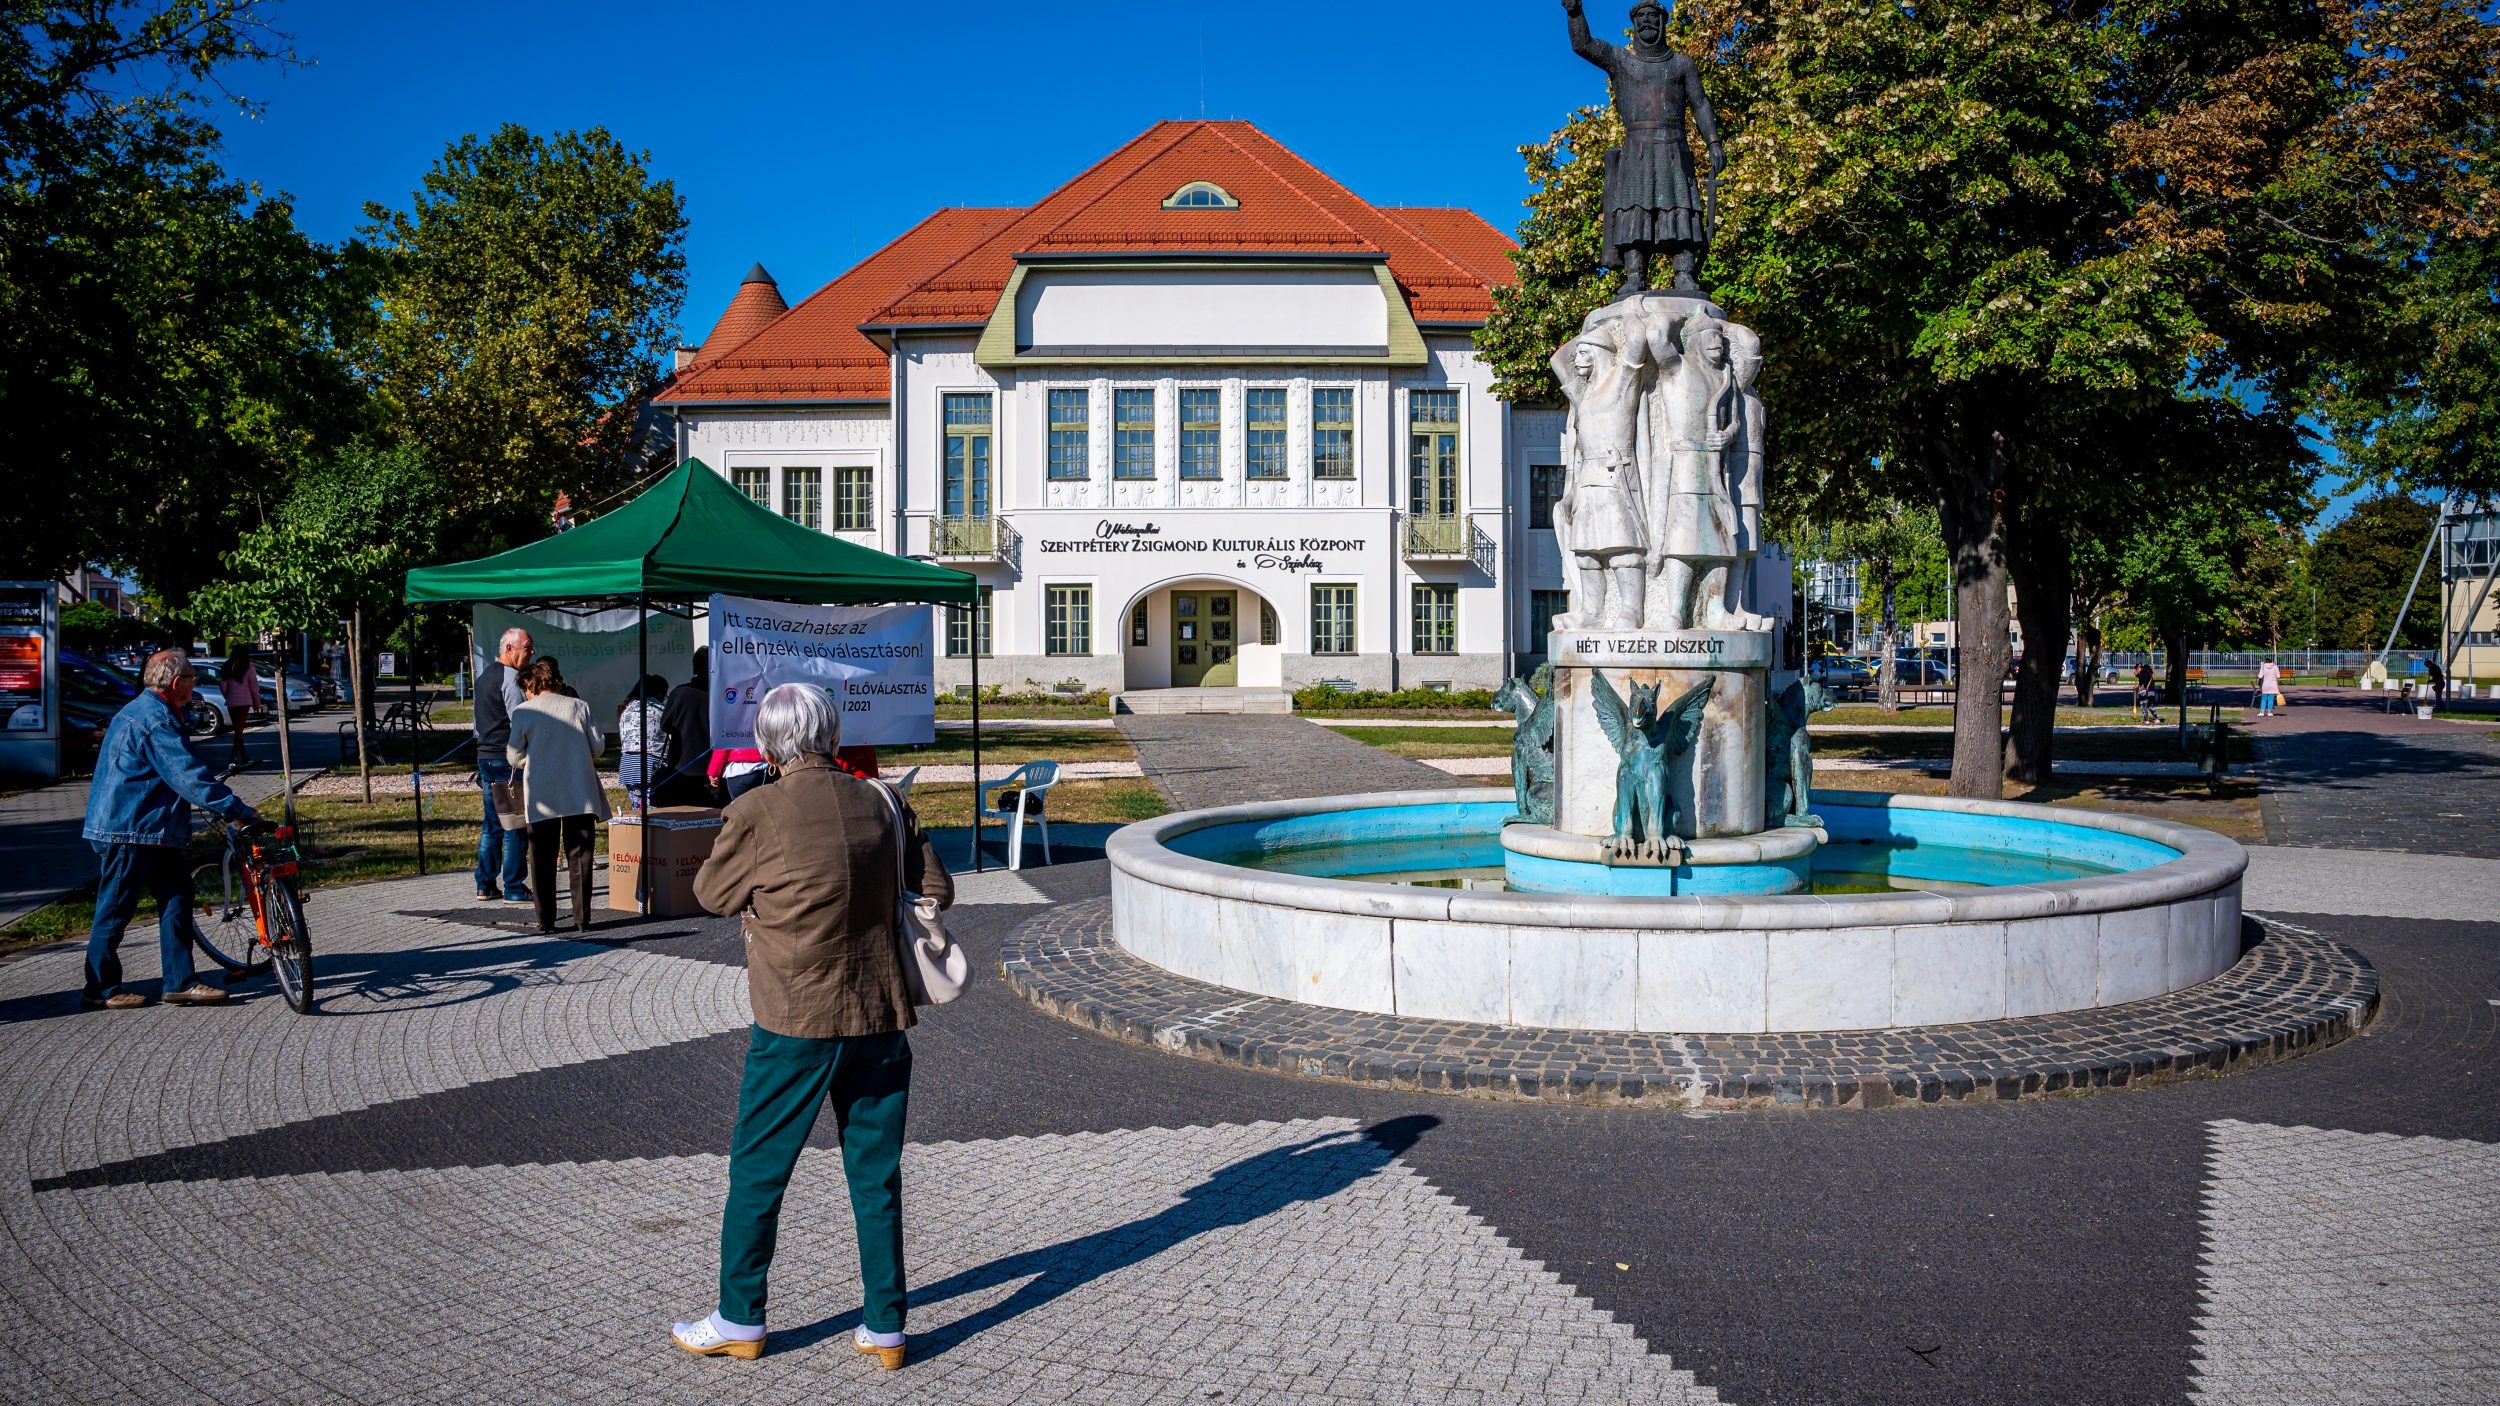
{"x":1201,"y":195}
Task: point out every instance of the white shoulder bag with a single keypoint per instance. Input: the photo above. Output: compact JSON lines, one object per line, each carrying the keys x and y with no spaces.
{"x":934,"y":965}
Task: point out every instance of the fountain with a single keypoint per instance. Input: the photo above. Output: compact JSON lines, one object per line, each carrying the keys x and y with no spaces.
{"x":1661,"y":862}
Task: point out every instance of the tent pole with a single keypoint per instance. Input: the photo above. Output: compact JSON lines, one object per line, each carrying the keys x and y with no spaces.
{"x":642,"y":728}
{"x":975,"y":633}
{"x":416,"y":773}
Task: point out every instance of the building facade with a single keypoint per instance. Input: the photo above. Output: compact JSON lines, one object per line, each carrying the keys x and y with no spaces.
{"x":1201,"y":417}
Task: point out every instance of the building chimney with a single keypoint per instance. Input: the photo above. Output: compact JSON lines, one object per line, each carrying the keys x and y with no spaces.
{"x":685,"y":357}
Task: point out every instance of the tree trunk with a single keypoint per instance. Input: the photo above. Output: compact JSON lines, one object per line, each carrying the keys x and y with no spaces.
{"x":2176,"y":682}
{"x":1887,"y":674}
{"x":356,"y":684}
{"x":1971,"y":510}
{"x":2087,"y":662}
{"x":2043,"y":593}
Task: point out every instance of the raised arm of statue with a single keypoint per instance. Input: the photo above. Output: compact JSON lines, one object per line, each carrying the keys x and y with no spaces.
{"x":1704,"y":120}
{"x":1585,"y":44}
{"x":1566,"y":375}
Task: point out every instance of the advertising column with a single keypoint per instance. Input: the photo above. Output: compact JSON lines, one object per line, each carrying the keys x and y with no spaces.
{"x":30,"y":685}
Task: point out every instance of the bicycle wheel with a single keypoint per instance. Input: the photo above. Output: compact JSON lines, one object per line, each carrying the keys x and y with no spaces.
{"x":290,"y":942}
{"x":228,"y":940}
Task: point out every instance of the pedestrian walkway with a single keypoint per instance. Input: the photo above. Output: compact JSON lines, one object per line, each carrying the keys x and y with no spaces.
{"x":1203,"y":759}
{"x":2338,"y":773}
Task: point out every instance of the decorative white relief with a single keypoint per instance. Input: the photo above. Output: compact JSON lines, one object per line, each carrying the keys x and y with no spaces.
{"x":794,"y":431}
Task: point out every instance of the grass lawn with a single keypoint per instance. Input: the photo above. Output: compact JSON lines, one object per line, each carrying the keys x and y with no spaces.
{"x":1022,"y":744}
{"x":1434,"y":741}
{"x":1111,"y":802}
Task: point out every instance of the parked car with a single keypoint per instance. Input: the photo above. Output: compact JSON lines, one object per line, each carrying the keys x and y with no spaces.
{"x":1841,"y":672}
{"x":92,"y":691}
{"x":301,"y":696}
{"x":1922,"y":668}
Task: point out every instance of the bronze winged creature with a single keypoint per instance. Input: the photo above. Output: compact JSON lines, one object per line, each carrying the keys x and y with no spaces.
{"x":1531,"y":700}
{"x":1646,"y":740}
{"x":1790,"y":773}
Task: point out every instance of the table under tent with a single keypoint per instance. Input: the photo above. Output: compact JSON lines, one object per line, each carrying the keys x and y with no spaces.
{"x":679,"y":542}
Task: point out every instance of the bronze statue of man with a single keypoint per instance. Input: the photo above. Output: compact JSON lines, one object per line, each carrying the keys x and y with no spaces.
{"x":1653,"y":204}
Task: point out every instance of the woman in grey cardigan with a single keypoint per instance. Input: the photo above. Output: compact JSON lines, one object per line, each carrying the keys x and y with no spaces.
{"x":555,"y":747}
{"x":810,"y":863}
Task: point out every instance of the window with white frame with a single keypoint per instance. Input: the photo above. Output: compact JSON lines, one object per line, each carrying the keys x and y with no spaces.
{"x":1070,"y":412}
{"x":757,"y":484}
{"x":1263,"y":422}
{"x":1436,"y":618}
{"x":965,"y":489}
{"x":1545,"y":489}
{"x":1133,"y":434}
{"x":1202,"y":432}
{"x":1332,"y":432}
{"x":1432,"y":453}
{"x":1067,"y":620}
{"x":1332,"y":619}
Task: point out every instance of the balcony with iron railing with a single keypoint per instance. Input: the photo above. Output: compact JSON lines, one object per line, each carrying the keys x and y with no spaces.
{"x":1437,"y":535}
{"x":967,"y":538}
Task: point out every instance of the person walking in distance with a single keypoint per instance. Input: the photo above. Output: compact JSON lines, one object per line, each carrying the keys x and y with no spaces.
{"x":139,"y":821}
{"x":2269,"y":687}
{"x":555,"y":746}
{"x":811,"y":863}
{"x":501,"y":853}
{"x":240,"y":692}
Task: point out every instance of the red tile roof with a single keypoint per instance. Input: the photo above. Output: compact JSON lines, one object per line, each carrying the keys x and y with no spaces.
{"x":756,"y":306}
{"x":1288,"y":206}
{"x":951,"y":268}
{"x":815,"y":351}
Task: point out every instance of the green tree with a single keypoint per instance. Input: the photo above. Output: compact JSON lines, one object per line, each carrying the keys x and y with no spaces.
{"x":1891,"y":542}
{"x":1560,"y":243}
{"x":2361,"y":567}
{"x":529,"y":292}
{"x":168,"y":338}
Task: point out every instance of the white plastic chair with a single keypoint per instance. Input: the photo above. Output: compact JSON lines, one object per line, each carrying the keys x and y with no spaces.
{"x":902,"y":784}
{"x":1032,"y":780}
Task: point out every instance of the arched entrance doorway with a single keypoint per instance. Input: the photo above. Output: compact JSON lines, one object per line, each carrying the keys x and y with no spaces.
{"x":1202,"y":632}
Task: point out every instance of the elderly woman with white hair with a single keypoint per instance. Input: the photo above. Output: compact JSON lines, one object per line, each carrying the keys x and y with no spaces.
{"x":811,"y":864}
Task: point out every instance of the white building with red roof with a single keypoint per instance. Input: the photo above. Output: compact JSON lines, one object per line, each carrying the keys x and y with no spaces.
{"x":1201,"y":417}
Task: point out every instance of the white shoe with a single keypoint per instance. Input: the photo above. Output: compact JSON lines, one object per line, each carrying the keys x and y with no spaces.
{"x":888,"y":1355}
{"x":704,"y":1340}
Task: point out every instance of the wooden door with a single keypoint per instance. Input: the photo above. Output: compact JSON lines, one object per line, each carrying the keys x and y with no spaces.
{"x":1206,"y":636}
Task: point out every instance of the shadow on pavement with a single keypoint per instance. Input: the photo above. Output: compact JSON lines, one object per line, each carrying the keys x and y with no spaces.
{"x":1245,"y":1191}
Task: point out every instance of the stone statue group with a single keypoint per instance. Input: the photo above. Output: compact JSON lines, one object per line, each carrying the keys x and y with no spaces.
{"x":1662,"y":511}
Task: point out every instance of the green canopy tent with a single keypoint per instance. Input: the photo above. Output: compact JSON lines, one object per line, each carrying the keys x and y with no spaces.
{"x":679,"y":541}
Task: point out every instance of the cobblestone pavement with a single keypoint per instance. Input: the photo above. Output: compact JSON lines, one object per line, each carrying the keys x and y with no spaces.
{"x":488,"y":1170}
{"x":2340,"y":774}
{"x":1208,"y":759}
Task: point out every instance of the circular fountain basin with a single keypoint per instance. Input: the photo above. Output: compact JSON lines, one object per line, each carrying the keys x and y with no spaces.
{"x":1924,"y":910}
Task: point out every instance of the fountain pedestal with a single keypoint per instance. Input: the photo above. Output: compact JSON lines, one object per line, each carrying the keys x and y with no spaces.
{"x":1716,"y":787}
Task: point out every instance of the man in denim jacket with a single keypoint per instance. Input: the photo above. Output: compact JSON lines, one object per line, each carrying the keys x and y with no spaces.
{"x":139,"y":820}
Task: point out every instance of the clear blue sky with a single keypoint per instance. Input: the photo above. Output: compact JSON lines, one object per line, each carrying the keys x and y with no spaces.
{"x":806,"y":135}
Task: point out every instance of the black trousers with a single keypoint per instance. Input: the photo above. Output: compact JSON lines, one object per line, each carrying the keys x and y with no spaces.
{"x":576,"y":832}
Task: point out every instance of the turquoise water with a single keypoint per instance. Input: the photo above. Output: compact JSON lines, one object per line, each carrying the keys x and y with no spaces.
{"x":1873,"y":849}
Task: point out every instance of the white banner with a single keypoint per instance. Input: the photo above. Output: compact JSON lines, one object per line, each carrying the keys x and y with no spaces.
{"x":595,"y":649}
{"x":874,"y":660}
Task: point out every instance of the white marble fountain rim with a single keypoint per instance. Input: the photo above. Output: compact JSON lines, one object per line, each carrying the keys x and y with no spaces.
{"x":2206,"y":862}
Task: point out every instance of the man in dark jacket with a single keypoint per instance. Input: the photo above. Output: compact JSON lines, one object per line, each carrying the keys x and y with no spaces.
{"x":139,"y":820}
{"x":688,"y":722}
{"x":502,"y":855}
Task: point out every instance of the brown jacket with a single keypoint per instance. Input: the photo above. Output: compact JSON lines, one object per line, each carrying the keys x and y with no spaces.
{"x":810,"y":861}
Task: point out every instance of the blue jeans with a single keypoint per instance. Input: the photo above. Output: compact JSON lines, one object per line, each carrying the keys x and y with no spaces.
{"x":502,"y":855}
{"x":125,"y":870}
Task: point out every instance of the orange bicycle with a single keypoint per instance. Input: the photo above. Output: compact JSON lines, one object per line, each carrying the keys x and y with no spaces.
{"x":278,"y":940}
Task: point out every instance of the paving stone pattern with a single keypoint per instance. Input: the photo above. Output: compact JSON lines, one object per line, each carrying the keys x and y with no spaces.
{"x":2361,"y":1260}
{"x":1210,"y":759}
{"x":2349,"y":782}
{"x":2292,"y":993}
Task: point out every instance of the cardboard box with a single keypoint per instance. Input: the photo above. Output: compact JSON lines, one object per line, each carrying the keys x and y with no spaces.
{"x":681,"y":838}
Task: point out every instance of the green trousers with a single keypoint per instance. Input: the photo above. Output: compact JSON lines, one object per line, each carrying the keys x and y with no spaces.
{"x":867,"y":1078}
